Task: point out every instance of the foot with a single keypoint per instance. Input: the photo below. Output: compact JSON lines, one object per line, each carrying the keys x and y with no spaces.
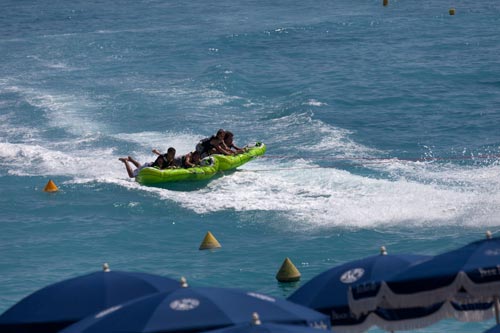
{"x":123,"y":159}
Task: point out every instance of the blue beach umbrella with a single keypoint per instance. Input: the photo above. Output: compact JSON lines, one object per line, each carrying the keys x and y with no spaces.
{"x":54,"y":307}
{"x":197,"y":309}
{"x":256,"y":326}
{"x":468,"y":275}
{"x":328,"y":291}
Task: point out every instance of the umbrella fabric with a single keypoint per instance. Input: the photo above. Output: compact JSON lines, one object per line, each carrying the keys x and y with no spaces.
{"x":419,"y":317}
{"x":61,"y":304}
{"x":266,"y":328}
{"x":467,"y":275}
{"x":197,"y":309}
{"x":328,"y":291}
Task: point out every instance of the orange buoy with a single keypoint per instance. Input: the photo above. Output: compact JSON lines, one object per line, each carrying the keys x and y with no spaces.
{"x":209,"y":242}
{"x":50,"y":187}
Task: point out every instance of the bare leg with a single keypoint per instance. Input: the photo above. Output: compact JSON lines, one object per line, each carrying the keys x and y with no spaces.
{"x":137,"y":164}
{"x":127,"y":166}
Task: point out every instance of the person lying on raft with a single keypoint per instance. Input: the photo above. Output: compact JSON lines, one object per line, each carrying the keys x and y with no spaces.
{"x":228,"y":141}
{"x":214,"y":145}
{"x":160,"y":163}
{"x":171,"y":161}
{"x":191,"y":160}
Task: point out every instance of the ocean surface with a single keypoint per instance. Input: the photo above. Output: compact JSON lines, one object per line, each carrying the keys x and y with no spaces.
{"x":382,"y":126}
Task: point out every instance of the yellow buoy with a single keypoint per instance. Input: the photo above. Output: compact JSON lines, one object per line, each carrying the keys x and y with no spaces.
{"x":385,"y":2}
{"x":288,"y":272}
{"x":452,"y":11}
{"x":209,"y":242}
{"x":50,"y":187}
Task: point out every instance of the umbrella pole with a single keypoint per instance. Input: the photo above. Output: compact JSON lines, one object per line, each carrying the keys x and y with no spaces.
{"x":497,"y":310}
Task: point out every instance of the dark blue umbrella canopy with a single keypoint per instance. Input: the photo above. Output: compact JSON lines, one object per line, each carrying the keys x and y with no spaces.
{"x":328,"y":291}
{"x":470,"y":274}
{"x":195,"y":310}
{"x":61,"y":304}
{"x":257,"y":327}
{"x":266,"y":328}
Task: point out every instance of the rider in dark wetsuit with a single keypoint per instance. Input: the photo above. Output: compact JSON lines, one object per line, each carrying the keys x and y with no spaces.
{"x":190,"y":160}
{"x":169,"y":159}
{"x":205,"y":146}
{"x":213,"y":145}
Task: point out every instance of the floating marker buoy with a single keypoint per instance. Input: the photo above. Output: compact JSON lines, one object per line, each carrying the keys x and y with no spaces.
{"x":288,"y":272}
{"x":385,"y":2}
{"x":209,"y":242}
{"x":50,"y":187}
{"x":452,"y":11}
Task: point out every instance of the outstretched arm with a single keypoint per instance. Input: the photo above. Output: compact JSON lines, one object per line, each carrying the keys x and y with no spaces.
{"x":224,"y":151}
{"x":221,"y":147}
{"x":238,"y":149}
{"x":188,"y":162}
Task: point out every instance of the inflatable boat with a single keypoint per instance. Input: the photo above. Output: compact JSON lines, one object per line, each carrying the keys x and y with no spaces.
{"x":230,"y":162}
{"x":209,"y":166}
{"x":151,"y":175}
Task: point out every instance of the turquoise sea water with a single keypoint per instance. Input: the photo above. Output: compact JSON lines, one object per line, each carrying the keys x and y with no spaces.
{"x":381,"y":125}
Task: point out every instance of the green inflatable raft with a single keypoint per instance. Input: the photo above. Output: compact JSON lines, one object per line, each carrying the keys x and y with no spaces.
{"x":208,"y":168}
